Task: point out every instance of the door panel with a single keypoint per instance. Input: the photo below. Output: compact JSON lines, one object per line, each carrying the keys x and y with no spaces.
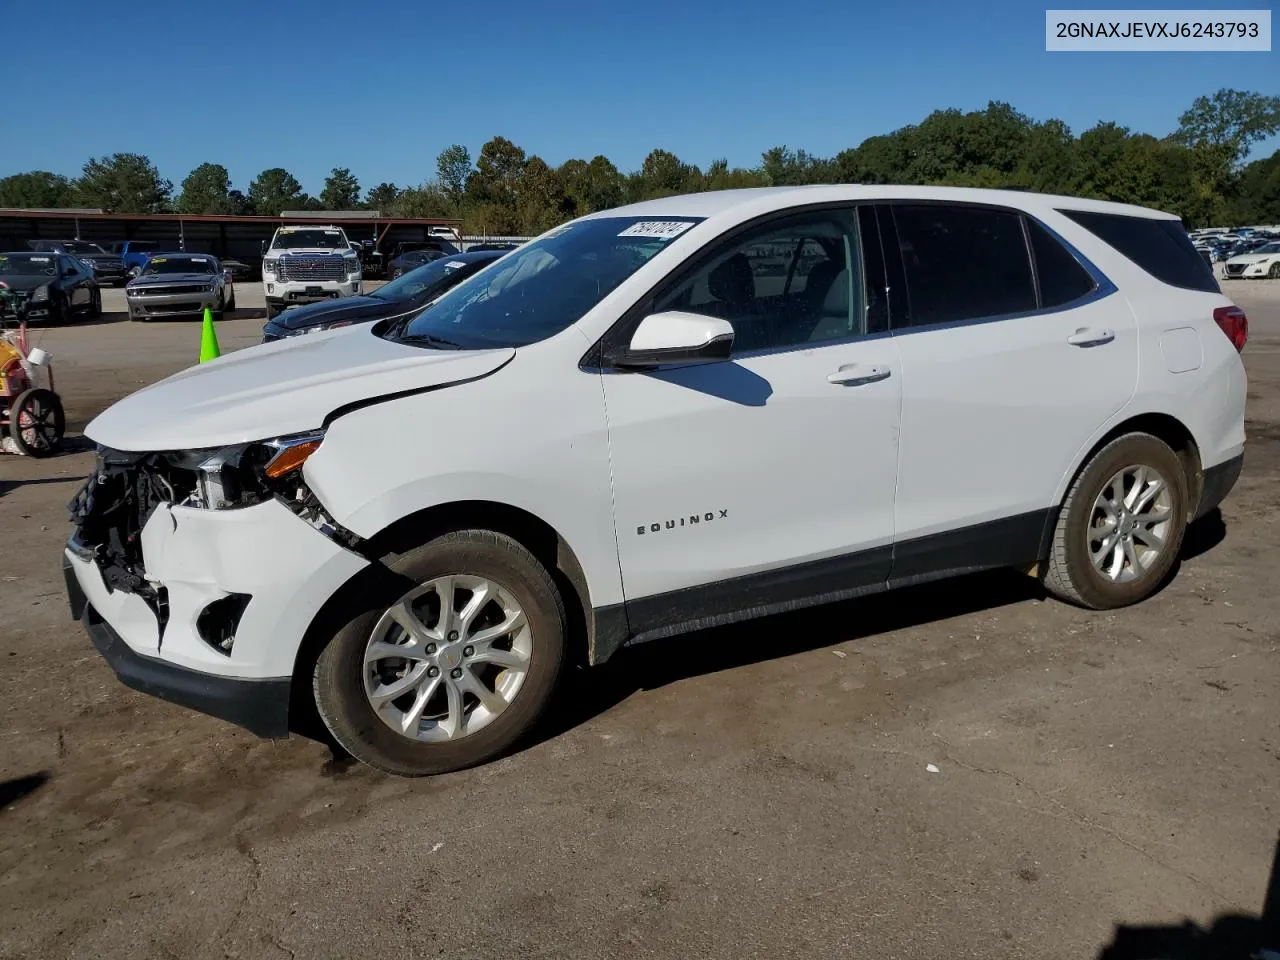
{"x":745,"y":478}
{"x":995,"y":410}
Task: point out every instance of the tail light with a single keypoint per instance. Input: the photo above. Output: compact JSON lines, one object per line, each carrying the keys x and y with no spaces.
{"x":1234,"y":324}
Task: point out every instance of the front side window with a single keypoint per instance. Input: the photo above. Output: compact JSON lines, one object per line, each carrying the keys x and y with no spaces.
{"x":792,"y":281}
{"x":545,"y":286}
{"x":962,"y":263}
{"x":178,"y":264}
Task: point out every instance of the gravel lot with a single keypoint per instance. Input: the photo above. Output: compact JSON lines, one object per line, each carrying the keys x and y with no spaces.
{"x":763,"y":790}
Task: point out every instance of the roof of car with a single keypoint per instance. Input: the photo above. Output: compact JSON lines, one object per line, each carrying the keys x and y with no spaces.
{"x":759,"y":200}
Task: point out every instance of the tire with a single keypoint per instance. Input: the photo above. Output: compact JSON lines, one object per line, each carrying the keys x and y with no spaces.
{"x":1274,"y":272}
{"x":273,"y":311}
{"x":231,"y":304}
{"x":341,"y":688}
{"x":1071,"y":574}
{"x":37,"y":423}
{"x":95,"y":305}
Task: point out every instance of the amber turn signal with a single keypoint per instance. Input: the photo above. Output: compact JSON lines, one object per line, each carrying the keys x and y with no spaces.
{"x":290,"y":459}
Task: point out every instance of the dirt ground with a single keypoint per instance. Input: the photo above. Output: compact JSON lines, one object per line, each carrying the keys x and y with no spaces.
{"x":1105,"y":785}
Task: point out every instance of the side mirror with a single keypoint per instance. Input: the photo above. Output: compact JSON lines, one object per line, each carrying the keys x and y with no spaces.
{"x":677,"y":337}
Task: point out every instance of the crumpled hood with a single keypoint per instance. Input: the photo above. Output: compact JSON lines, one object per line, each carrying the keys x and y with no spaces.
{"x":275,"y":389}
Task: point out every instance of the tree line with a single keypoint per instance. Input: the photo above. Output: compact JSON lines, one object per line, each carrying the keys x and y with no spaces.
{"x":1198,"y":172}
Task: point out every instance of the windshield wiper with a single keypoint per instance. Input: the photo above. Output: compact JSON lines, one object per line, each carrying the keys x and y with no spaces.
{"x":431,"y":339}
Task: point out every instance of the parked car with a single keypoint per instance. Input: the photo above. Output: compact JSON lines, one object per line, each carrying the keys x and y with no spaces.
{"x":1262,"y":261}
{"x":504,"y":245}
{"x":401,"y":297}
{"x":622,"y":432}
{"x":49,"y":287}
{"x":107,"y":268}
{"x":135,"y":253}
{"x":412,"y":259}
{"x":240,"y":271}
{"x":179,"y":284}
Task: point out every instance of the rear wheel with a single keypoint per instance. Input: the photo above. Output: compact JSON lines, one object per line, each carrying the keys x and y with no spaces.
{"x":231,"y":303}
{"x":451,"y":663}
{"x":1121,"y":525}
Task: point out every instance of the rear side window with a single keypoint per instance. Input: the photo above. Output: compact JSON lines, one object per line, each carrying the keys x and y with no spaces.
{"x":962,"y":263}
{"x":1160,"y":247}
{"x":1061,"y":277}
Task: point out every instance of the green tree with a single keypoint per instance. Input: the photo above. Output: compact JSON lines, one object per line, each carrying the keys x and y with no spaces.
{"x":36,"y":189}
{"x":720,"y":177}
{"x":1229,"y":121}
{"x":206,"y":190}
{"x":787,"y":168}
{"x":1257,"y":196}
{"x":123,"y":183}
{"x":427,"y":200}
{"x":382,"y":197}
{"x":274,"y":190}
{"x":453,"y":167}
{"x":541,"y":202}
{"x":238,"y":203}
{"x":662,"y":174}
{"x":498,"y":169}
{"x":591,"y":187}
{"x":341,"y":190}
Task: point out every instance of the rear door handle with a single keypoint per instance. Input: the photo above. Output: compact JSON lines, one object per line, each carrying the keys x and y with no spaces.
{"x":854,"y":374}
{"x":1091,"y":337}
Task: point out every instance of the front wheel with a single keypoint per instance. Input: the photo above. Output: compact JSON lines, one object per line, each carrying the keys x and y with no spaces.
{"x":273,"y":310}
{"x":95,"y":304}
{"x":450,"y":664}
{"x":1274,"y":272}
{"x":1121,"y":525}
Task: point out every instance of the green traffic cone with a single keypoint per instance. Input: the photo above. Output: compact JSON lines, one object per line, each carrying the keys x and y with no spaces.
{"x":208,"y":339}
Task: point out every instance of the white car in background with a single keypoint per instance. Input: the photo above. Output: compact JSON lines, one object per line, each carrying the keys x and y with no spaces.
{"x":648,"y":421}
{"x":1263,"y":262}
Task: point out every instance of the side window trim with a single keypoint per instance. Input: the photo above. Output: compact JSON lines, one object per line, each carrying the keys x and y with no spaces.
{"x":1031,"y":259}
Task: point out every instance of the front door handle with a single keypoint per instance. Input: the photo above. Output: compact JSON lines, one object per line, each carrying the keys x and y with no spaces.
{"x":1091,"y":337}
{"x":853,"y":374}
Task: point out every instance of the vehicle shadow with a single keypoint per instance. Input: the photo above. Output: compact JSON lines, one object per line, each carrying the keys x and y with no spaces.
{"x":8,"y":486}
{"x":1231,"y":936}
{"x":11,"y":791}
{"x":651,"y":665}
{"x":1203,"y":535}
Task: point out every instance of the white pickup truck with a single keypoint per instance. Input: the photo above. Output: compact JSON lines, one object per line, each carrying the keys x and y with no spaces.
{"x":305,"y":263}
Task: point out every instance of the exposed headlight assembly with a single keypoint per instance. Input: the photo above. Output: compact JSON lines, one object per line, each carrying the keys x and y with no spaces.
{"x":246,"y":474}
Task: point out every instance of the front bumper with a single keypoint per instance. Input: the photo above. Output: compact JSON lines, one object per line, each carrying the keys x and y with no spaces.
{"x":279,"y":564}
{"x":290,"y":292}
{"x":171,"y":304}
{"x":260,"y":706}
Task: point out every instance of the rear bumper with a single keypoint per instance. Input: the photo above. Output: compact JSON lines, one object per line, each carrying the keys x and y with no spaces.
{"x":261,"y":706}
{"x":1218,"y":482}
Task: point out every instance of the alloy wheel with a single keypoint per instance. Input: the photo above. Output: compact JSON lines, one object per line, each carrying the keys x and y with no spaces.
{"x":1131,"y":522}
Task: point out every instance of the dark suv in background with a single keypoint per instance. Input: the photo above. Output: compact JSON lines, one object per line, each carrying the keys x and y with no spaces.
{"x":108,"y":268}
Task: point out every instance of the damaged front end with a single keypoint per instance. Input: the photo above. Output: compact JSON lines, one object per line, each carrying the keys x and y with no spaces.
{"x":112,"y":508}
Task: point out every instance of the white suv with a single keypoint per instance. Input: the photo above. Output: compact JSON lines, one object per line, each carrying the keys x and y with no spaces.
{"x":651,"y":420}
{"x":306,"y":263}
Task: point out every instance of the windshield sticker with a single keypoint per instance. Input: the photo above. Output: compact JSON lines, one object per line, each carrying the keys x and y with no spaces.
{"x":659,"y":229}
{"x":454,"y":264}
{"x":39,"y":259}
{"x":198,"y":259}
{"x":157,"y":260}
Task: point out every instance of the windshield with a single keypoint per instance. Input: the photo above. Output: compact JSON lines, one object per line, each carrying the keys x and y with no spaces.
{"x":433,"y":278}
{"x":158,"y":265}
{"x":25,"y":265}
{"x":304,"y":239}
{"x":547,"y":285}
{"x":79,"y":246}
{"x":1269,"y":248}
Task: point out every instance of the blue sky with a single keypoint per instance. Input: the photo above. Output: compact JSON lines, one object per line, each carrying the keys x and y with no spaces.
{"x":381,"y":87}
